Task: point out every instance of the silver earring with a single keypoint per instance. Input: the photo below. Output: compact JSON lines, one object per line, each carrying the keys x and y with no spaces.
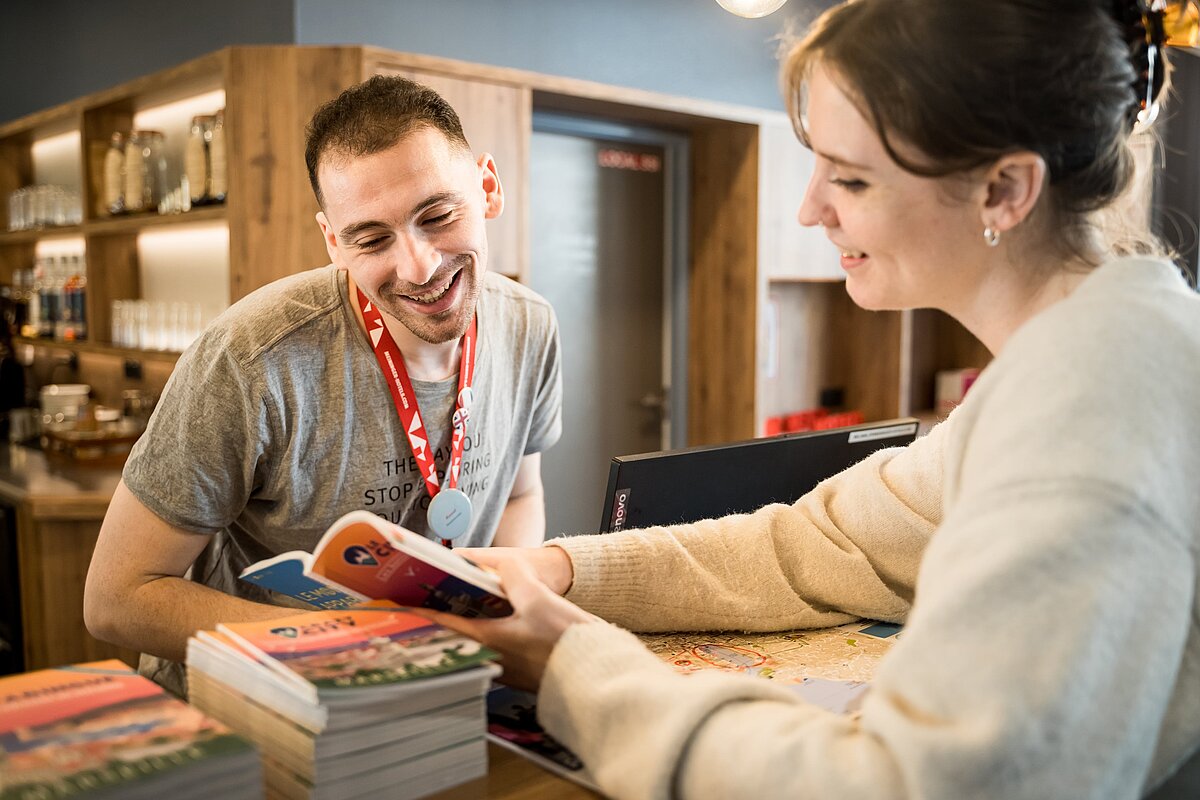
{"x":991,"y":236}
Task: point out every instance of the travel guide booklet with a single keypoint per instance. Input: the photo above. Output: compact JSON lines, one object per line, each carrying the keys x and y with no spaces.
{"x":100,"y":728}
{"x":364,"y":557}
{"x":371,"y":646}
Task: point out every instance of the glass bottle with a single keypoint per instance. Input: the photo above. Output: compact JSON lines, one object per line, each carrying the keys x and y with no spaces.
{"x":114,"y":177}
{"x":33,"y":325}
{"x":145,"y":170}
{"x":196,"y":159}
{"x":75,"y":299}
{"x":60,"y":314}
{"x":47,"y":313}
{"x":22,"y":278}
{"x":216,"y":158}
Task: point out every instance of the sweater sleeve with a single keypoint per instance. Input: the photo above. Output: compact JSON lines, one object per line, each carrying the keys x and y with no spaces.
{"x":848,"y":549}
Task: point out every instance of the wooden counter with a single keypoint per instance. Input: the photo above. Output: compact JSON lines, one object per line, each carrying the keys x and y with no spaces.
{"x":511,"y":777}
{"x":59,"y":507}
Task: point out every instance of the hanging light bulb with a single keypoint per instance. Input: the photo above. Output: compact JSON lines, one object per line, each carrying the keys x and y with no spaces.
{"x":751,"y":8}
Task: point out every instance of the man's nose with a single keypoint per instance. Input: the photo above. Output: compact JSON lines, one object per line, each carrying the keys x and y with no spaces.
{"x":417,"y":260}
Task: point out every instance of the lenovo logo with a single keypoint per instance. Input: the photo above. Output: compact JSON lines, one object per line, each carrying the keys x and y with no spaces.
{"x":620,"y":510}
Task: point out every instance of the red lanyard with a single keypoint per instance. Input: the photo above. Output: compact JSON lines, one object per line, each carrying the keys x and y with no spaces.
{"x":391,"y":361}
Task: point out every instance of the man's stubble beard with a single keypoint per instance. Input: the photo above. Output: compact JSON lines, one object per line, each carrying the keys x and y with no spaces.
{"x":448,"y":326}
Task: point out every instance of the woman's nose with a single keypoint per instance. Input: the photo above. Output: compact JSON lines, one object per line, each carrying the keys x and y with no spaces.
{"x":814,"y":208}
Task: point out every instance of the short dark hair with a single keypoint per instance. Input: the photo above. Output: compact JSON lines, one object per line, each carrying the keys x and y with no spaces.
{"x":371,"y":116}
{"x":967,"y":81}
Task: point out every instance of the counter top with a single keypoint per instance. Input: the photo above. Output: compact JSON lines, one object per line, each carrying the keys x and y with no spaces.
{"x":55,"y":488}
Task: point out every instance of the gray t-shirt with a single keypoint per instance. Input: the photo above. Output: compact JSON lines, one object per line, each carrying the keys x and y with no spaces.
{"x":278,"y":420}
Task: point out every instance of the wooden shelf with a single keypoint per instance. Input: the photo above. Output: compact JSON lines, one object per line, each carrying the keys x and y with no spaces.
{"x":36,"y":235}
{"x":103,"y":348}
{"x":134,"y":223}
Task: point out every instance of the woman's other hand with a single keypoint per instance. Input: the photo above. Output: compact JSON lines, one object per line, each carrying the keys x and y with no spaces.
{"x":551,"y":565}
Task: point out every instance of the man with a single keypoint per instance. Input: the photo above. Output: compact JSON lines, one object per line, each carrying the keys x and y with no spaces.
{"x":296,"y":405}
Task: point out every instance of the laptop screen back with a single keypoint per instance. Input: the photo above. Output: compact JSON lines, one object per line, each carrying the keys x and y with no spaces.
{"x":675,"y":486}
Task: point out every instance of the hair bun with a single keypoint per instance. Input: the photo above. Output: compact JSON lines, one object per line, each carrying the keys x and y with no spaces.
{"x":1141,"y":23}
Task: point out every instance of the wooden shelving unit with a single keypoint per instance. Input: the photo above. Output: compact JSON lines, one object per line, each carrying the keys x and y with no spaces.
{"x":268,"y":214}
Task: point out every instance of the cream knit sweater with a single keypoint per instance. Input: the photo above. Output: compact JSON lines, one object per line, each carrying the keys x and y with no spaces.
{"x":1041,"y":547}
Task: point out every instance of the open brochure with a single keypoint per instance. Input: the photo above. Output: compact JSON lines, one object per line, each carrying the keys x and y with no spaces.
{"x":364,"y":557}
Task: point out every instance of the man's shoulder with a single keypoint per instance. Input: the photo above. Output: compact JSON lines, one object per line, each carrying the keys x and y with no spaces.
{"x":504,"y":289}
{"x":275,"y":313}
{"x":516,"y":304}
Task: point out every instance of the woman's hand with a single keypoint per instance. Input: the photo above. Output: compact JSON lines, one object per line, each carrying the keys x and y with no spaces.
{"x":524,"y":639}
{"x":551,"y":565}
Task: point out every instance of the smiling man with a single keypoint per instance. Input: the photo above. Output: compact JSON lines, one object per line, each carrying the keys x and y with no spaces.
{"x":403,"y":379}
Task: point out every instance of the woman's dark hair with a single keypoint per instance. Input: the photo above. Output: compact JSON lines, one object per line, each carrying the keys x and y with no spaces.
{"x":967,"y":81}
{"x":371,"y":116}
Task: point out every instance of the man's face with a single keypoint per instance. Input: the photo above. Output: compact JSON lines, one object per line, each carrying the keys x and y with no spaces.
{"x":407,"y":223}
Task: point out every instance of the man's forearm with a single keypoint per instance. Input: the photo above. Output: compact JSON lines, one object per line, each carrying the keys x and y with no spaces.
{"x":523,"y":523}
{"x":159,"y":615}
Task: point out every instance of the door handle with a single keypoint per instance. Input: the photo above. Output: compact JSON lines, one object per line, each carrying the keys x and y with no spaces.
{"x":656,"y":401}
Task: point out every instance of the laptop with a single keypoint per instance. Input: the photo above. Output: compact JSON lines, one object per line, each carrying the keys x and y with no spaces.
{"x":694,"y":483}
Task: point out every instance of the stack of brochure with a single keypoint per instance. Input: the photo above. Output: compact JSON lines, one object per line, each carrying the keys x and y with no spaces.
{"x":99,"y":730}
{"x":363,"y":701}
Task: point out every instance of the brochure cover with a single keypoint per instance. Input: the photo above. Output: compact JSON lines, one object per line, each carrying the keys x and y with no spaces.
{"x":371,"y":645}
{"x":99,"y":725}
{"x":512,"y":724}
{"x":365,"y":557}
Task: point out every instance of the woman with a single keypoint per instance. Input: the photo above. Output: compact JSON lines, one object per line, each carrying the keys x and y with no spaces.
{"x":1040,"y":545}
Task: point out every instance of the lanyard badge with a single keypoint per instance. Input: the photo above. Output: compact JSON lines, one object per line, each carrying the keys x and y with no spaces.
{"x":449,"y":512}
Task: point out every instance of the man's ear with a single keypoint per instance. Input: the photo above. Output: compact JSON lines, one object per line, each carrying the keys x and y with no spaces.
{"x":493,"y":191}
{"x":327,"y":233}
{"x":1014,"y":185}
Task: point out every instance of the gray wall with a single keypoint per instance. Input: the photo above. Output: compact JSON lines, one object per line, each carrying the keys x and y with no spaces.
{"x":52,"y":51}
{"x":692,"y":48}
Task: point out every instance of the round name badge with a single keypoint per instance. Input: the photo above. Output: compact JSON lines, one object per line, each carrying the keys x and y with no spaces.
{"x":449,"y":513}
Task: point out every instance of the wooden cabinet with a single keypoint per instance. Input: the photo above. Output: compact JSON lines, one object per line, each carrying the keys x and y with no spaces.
{"x":211,"y":255}
{"x":58,"y":512}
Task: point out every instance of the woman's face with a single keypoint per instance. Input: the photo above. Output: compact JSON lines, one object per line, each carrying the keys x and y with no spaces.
{"x":906,"y":241}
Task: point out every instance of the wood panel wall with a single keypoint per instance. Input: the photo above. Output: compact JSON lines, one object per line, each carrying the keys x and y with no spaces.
{"x":723,"y":291}
{"x":267,"y":203}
